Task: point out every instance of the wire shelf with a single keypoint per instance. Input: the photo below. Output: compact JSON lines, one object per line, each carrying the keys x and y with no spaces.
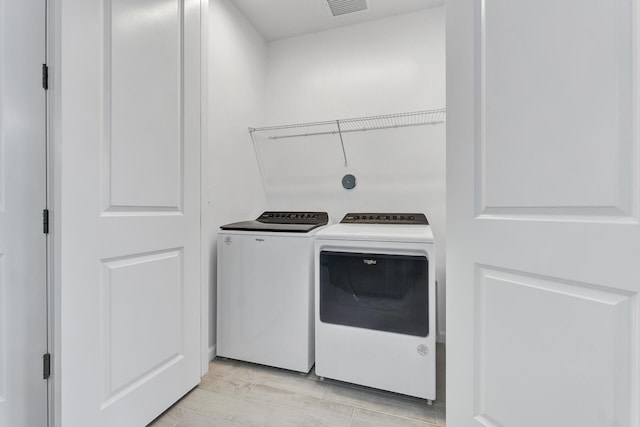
{"x":340,"y":127}
{"x":417,"y":118}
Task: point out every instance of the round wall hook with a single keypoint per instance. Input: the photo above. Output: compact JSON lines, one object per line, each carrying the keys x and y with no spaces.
{"x":348,"y":181}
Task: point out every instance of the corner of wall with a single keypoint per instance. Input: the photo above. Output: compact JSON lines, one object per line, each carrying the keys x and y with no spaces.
{"x":231,"y":186}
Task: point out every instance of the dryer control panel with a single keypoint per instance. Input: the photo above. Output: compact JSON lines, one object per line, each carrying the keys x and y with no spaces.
{"x":385,"y":218}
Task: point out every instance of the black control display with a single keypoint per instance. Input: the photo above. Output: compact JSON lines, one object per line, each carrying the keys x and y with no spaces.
{"x":385,"y":218}
{"x":294,"y":218}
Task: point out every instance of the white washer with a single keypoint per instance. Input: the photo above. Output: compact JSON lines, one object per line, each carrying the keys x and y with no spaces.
{"x":265,"y":289}
{"x":375,"y":303}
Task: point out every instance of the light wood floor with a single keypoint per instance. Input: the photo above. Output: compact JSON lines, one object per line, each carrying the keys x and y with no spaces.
{"x":236,"y":394}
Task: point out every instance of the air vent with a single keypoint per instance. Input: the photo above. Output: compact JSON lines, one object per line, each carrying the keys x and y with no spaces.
{"x":342,"y":7}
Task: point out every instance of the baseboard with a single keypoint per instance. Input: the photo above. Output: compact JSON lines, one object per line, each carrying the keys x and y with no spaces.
{"x":212,"y":352}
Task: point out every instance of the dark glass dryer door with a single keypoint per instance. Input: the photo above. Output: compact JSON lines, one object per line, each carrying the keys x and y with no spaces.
{"x":375,"y":291}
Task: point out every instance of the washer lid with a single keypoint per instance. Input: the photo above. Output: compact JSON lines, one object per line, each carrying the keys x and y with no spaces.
{"x":296,"y":222}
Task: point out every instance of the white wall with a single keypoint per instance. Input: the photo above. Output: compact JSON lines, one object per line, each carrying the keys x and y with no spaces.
{"x":385,"y":66}
{"x":237,"y":81}
{"x":388,"y":66}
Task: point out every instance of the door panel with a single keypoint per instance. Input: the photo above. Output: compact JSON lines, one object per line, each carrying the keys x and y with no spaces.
{"x":572,"y":91}
{"x":23,"y":280}
{"x":584,"y":327}
{"x":143,"y":67}
{"x":139,"y":339}
{"x":130,"y":197}
{"x":544,"y":234}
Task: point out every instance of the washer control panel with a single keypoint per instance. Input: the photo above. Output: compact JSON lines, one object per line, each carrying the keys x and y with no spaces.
{"x":385,"y":218}
{"x":294,"y":217}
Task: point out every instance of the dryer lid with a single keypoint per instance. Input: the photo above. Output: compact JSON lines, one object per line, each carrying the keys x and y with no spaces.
{"x":382,"y":227}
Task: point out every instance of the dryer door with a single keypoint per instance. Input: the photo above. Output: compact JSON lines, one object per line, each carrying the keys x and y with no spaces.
{"x":375,"y":291}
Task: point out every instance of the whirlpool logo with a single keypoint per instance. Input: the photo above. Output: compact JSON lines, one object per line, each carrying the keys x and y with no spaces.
{"x":370,"y":261}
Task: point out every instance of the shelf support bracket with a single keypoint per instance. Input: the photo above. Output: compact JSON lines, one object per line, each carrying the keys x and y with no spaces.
{"x":256,"y":151}
{"x":344,"y":153}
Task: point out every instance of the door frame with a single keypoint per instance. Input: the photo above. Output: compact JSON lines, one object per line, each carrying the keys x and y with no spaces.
{"x":53,"y":204}
{"x":48,"y":206}
{"x":36,"y":51}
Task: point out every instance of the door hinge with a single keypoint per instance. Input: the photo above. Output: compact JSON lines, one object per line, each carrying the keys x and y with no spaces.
{"x":46,"y":366}
{"x":45,"y":77}
{"x":45,"y":221}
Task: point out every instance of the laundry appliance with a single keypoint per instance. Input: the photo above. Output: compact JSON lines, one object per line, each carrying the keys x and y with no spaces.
{"x":265,"y":289}
{"x":375,"y":303}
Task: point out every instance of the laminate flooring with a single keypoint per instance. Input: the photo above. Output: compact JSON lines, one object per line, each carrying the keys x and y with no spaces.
{"x":235,"y":393}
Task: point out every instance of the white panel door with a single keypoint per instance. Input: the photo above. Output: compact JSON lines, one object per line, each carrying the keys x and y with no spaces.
{"x":23,"y":286}
{"x":129,"y":141}
{"x":543,"y":262}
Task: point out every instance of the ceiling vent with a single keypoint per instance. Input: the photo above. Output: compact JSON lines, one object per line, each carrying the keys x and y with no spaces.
{"x":342,"y":7}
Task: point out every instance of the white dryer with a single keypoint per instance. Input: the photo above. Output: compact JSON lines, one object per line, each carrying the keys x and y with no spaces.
{"x":265,"y":289}
{"x":375,"y":303}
